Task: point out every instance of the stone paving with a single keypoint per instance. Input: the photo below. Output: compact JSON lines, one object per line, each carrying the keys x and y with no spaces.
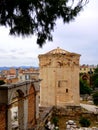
{"x":91,"y":108}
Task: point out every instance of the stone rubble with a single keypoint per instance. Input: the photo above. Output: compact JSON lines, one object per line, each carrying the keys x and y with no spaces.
{"x":71,"y":125}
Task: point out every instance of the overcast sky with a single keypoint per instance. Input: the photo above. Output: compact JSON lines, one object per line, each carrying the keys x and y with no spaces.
{"x":79,"y":36}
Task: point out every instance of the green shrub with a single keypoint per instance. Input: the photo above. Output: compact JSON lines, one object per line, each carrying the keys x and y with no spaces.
{"x":55,"y":120}
{"x":95,"y":98}
{"x":84,"y":122}
{"x":2,"y":82}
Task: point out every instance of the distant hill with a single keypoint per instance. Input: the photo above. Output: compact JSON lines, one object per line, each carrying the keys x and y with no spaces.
{"x":4,"y":68}
{"x":24,"y":67}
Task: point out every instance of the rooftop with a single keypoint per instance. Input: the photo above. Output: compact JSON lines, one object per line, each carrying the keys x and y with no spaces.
{"x":58,"y":50}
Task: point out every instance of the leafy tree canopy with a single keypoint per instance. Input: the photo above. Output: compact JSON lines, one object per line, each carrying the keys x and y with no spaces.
{"x":95,"y":78}
{"x":84,"y":88}
{"x":27,"y":17}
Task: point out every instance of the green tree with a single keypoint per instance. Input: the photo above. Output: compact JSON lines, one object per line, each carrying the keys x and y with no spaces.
{"x":27,"y":17}
{"x":84,"y":88}
{"x":2,"y":82}
{"x":95,"y":78}
{"x":95,"y":98}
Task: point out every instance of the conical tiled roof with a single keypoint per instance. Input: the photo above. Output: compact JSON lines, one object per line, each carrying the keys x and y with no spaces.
{"x":58,"y":51}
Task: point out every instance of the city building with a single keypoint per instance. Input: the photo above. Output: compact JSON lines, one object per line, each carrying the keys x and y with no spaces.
{"x":87,"y":69}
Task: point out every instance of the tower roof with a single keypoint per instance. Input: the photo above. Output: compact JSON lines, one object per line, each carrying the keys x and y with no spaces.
{"x":58,"y":50}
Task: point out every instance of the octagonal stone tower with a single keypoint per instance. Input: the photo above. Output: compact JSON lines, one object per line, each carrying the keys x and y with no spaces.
{"x":59,"y":71}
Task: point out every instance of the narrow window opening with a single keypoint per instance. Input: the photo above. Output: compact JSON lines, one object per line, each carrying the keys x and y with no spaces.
{"x":66,"y":90}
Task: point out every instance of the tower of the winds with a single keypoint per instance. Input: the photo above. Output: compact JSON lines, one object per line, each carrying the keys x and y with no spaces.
{"x":59,"y":71}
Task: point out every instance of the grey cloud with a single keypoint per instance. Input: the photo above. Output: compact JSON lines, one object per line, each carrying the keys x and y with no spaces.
{"x":13,"y":51}
{"x":3,"y":50}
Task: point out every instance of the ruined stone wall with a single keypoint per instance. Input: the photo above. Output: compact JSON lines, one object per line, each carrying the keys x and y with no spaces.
{"x":31,"y":108}
{"x":73,"y":112}
{"x":68,"y":111}
{"x":46,"y":113}
{"x":2,"y":117}
{"x":25,"y":92}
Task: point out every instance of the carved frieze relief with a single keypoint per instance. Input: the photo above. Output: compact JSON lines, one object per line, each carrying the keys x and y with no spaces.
{"x":59,"y":61}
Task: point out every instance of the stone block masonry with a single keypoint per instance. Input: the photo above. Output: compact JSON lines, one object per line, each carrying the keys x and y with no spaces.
{"x":2,"y":117}
{"x":23,"y":96}
{"x":59,"y":71}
